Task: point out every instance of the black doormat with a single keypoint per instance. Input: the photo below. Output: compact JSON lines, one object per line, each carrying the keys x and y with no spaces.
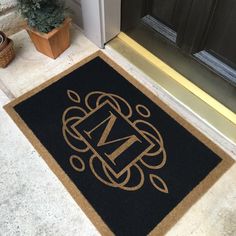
{"x":131,"y":163}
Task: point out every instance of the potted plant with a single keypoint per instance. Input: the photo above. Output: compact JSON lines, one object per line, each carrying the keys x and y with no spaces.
{"x":47,"y":25}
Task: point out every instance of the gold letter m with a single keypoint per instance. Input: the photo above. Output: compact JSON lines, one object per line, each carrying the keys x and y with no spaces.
{"x":128,"y":140}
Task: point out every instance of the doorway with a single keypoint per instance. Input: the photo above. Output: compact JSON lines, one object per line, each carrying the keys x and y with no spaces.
{"x":195,"y":37}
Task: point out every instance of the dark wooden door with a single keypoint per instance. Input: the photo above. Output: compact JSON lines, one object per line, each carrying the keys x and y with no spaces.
{"x":166,"y":11}
{"x":205,"y":29}
{"x":170,"y":12}
{"x":221,"y":37}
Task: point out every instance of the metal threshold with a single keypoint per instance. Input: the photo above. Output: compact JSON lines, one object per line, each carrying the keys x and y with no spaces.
{"x":215,"y":114}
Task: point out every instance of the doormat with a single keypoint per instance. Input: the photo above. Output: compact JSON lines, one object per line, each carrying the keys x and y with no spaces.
{"x":131,"y":163}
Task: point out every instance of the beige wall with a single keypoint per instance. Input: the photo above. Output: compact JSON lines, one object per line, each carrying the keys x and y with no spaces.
{"x":10,"y":21}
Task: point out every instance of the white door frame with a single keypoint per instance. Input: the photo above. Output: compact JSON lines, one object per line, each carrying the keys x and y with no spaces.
{"x":99,"y":19}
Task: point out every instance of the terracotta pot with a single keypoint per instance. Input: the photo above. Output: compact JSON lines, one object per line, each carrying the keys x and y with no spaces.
{"x":53,"y":43}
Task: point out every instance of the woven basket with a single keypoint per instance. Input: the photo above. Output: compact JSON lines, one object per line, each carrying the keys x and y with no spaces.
{"x":7,"y":54}
{"x":3,"y":41}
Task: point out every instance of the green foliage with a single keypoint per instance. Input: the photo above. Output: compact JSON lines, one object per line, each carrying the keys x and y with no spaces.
{"x":42,"y":15}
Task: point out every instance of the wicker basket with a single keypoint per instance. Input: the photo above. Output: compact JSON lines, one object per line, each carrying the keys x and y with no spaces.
{"x":7,"y":54}
{"x":3,"y":41}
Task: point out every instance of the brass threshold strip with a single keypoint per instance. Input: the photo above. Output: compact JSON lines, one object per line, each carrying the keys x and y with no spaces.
{"x":212,"y":102}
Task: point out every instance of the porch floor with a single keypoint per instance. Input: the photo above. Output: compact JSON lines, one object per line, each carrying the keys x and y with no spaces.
{"x":34,"y":202}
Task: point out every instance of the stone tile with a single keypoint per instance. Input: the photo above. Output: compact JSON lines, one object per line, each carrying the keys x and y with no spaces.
{"x":3,"y":98}
{"x":10,"y":19}
{"x":32,"y":200}
{"x":7,"y":4}
{"x":214,"y":214}
{"x":31,"y":68}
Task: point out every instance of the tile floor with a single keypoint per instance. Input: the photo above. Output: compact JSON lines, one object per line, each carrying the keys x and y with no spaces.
{"x":32,"y":199}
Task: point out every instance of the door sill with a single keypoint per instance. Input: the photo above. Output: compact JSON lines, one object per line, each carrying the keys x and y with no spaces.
{"x":186,"y":65}
{"x":219,"y":107}
{"x":156,"y":74}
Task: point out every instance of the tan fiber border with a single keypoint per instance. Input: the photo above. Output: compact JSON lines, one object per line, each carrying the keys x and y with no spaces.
{"x":179,"y":210}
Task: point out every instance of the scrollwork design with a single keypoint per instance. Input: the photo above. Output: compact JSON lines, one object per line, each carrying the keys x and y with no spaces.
{"x":158,"y":153}
{"x":98,"y":97}
{"x":81,"y":166}
{"x":134,"y":177}
{"x":69,"y":117}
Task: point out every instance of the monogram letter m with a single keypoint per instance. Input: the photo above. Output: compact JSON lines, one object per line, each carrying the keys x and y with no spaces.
{"x":128,"y":140}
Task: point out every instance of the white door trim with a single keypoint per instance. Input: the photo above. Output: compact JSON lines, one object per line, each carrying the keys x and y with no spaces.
{"x":101,"y":20}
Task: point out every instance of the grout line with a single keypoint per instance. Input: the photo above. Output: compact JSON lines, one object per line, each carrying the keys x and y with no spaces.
{"x":6,"y":91}
{"x":179,"y":78}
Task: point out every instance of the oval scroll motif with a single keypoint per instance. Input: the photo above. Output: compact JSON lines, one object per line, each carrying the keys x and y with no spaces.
{"x":158,"y":183}
{"x":134,"y":177}
{"x":80,"y":167}
{"x":73,"y":96}
{"x":143,"y":111}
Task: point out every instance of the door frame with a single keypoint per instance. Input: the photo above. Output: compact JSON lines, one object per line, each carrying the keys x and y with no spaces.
{"x":99,"y":19}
